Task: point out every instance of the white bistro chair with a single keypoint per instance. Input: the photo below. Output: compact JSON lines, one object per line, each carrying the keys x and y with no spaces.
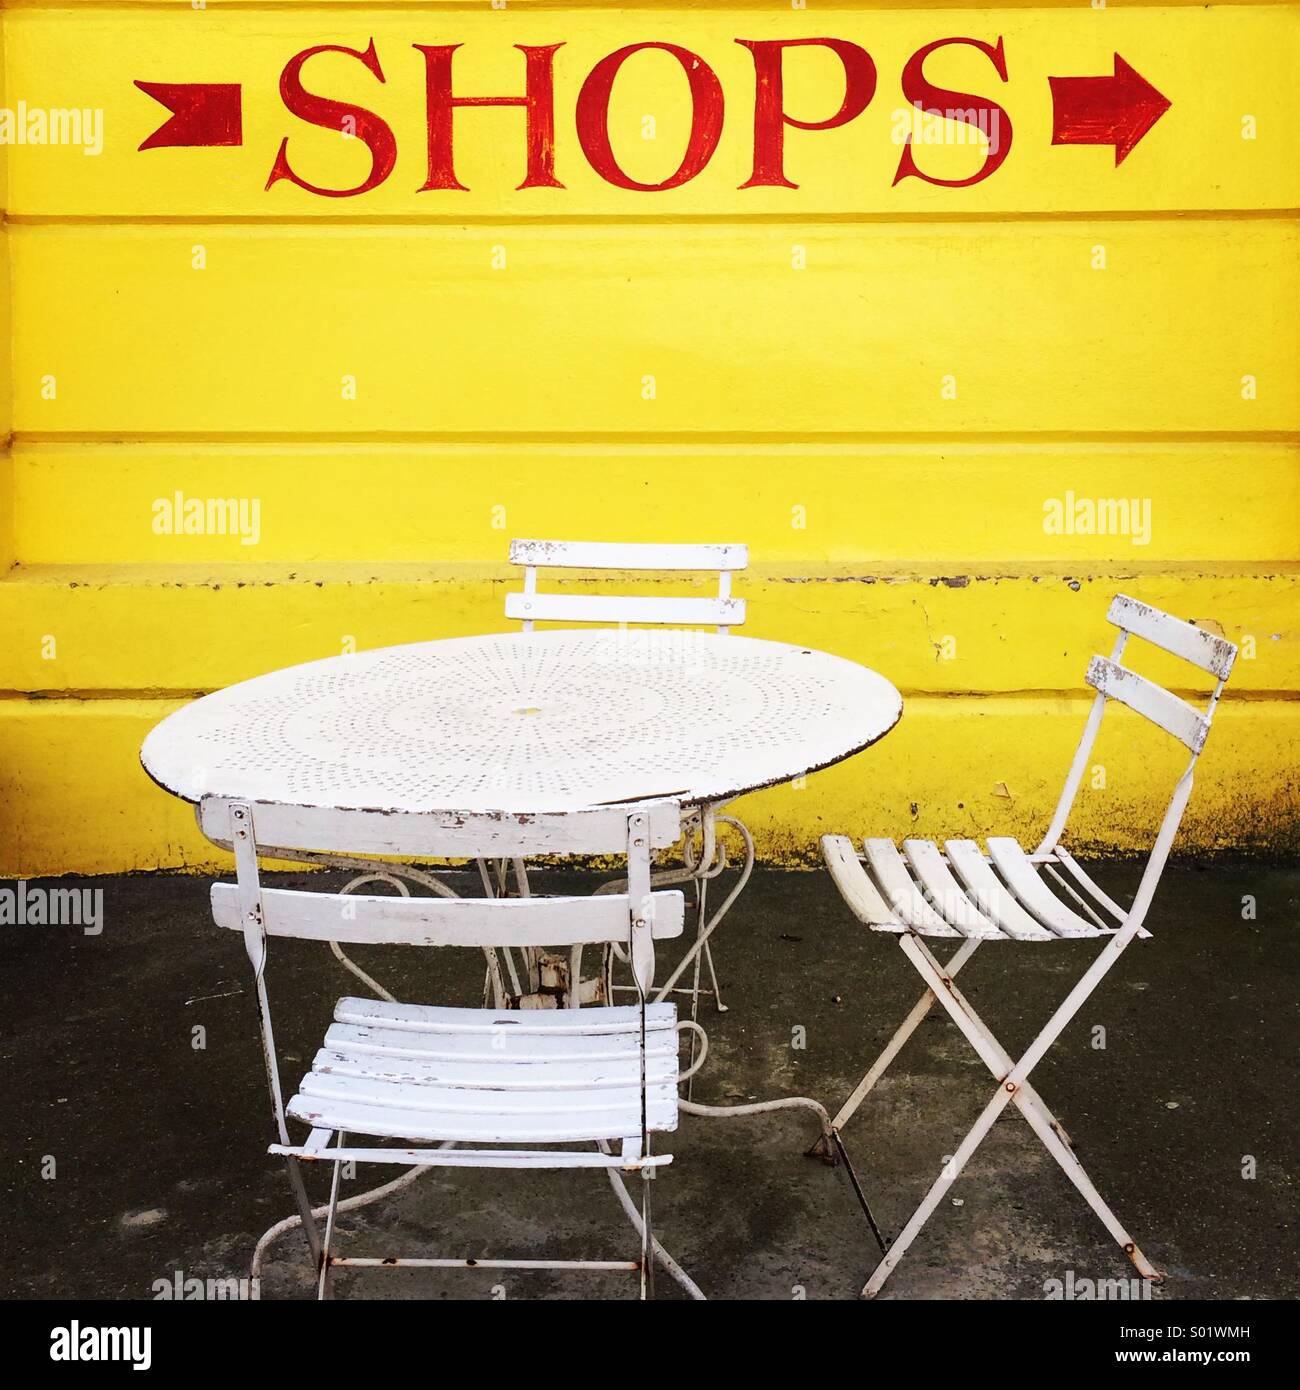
{"x":532,"y":605}
{"x":968,"y":897}
{"x":422,"y":1087}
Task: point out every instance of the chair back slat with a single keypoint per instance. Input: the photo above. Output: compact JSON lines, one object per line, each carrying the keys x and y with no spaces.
{"x":616,"y":555}
{"x":1173,"y":635}
{"x":721,"y":610}
{"x":442,"y":835}
{"x":1174,"y":715}
{"x":617,"y":608}
{"x":371,"y":920}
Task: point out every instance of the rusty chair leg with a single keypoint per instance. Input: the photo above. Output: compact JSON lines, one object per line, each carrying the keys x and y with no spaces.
{"x":325,"y":1275}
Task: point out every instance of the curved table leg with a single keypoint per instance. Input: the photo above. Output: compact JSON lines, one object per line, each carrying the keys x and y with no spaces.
{"x":707,"y":928}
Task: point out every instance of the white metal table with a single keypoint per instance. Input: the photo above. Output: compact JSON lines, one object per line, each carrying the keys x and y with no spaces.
{"x":519,"y":722}
{"x":526,"y":722}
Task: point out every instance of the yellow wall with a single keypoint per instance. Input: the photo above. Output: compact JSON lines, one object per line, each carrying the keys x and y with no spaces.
{"x":1111,"y":332}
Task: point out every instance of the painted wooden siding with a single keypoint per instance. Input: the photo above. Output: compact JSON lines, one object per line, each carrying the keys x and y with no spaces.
{"x":883,"y":388}
{"x":736,"y":342}
{"x":950,"y":501}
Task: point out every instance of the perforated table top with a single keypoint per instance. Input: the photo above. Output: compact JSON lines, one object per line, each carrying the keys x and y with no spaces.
{"x":526,"y":722}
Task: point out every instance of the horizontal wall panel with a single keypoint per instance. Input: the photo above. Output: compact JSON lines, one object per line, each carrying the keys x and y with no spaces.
{"x":947,"y":769}
{"x":439,"y":6}
{"x":589,"y":331}
{"x":121,"y":630}
{"x":1225,"y":70}
{"x":857,"y":505}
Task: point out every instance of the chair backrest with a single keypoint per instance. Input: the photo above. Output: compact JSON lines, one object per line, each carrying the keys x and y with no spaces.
{"x":531,"y":606}
{"x":1112,"y":680}
{"x":635,"y":917}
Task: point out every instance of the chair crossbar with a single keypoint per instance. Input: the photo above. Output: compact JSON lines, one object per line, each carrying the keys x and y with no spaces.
{"x":471,"y":1158}
{"x":403,"y":1262}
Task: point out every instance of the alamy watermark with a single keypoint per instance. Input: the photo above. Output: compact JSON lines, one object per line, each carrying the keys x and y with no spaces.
{"x":179,"y":515}
{"x":24,"y":905}
{"x":919,"y":124}
{"x":1098,"y":516}
{"x":77,"y":1343}
{"x":1072,"y":1289}
{"x":178,"y":1288}
{"x":53,"y":125}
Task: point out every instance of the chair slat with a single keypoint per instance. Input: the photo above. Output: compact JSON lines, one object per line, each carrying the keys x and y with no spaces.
{"x":473,"y":1158}
{"x":501,"y":1085}
{"x":392,"y":1047}
{"x":946,"y":893}
{"x":442,"y":835}
{"x":900,"y":892}
{"x":856,"y":885}
{"x":476,"y":1101}
{"x":1174,"y":635}
{"x":361,"y":919}
{"x":614,"y":608}
{"x":510,"y":1071}
{"x":356,"y":1115}
{"x":615,"y":555}
{"x":1014,"y":866}
{"x":1175,"y":716}
{"x":983,"y":883}
{"x":526,"y":1023}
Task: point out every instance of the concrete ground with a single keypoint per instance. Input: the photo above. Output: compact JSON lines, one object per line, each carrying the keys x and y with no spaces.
{"x":1186,"y":1118}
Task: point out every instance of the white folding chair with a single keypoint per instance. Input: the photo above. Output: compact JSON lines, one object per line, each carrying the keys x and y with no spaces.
{"x":533,"y":605}
{"x":453,"y":1087}
{"x":969,"y":897}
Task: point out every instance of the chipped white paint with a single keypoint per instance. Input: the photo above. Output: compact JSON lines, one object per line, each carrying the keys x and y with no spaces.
{"x":616,"y":555}
{"x":339,"y":832}
{"x":1204,"y":649}
{"x":1175,"y":716}
{"x":965,"y":894}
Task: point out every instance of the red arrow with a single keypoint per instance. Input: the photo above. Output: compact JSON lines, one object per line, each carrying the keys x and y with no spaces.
{"x":204,"y":113}
{"x":1115,"y":110}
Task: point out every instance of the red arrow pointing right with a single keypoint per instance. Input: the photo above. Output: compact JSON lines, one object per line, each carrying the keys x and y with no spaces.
{"x":204,"y":113}
{"x":1115,"y":110}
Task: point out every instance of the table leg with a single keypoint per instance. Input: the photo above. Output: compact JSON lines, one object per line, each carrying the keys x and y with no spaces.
{"x":706,"y":931}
